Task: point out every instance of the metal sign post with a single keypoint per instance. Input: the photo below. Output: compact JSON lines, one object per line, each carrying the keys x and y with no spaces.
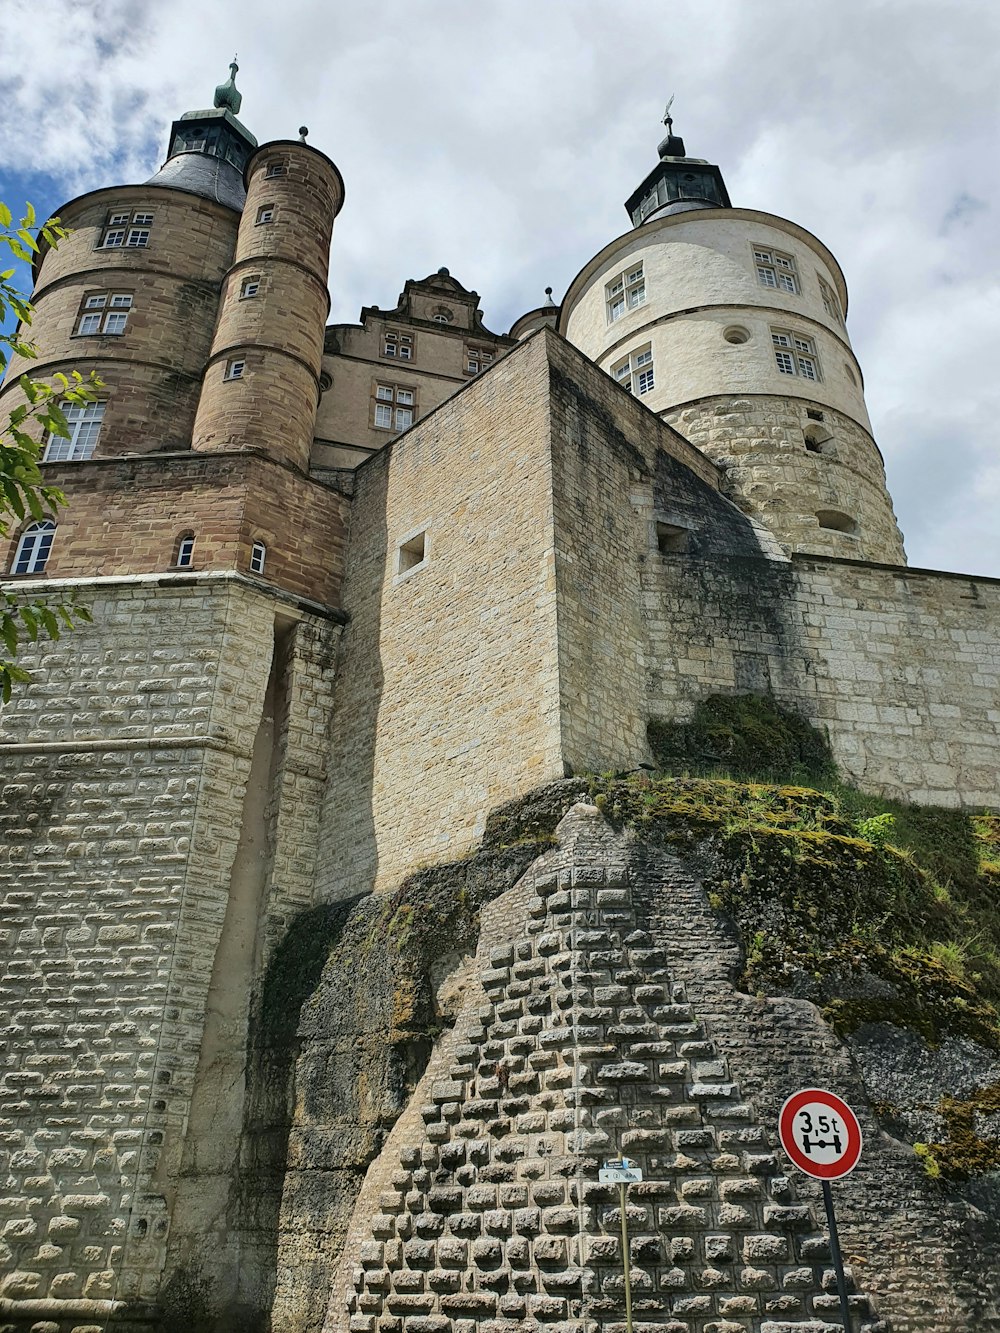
{"x":821,"y":1135}
{"x":622,"y":1172}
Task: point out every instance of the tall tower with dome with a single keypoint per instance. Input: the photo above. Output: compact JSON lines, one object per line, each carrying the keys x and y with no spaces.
{"x":730,"y":324}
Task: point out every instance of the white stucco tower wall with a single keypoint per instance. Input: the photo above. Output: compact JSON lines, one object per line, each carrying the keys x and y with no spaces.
{"x":715,"y":294}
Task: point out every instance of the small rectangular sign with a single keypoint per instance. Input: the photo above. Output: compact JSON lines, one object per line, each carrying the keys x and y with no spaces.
{"x":619,"y":1175}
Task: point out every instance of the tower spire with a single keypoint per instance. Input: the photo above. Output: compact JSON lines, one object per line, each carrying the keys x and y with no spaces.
{"x":227,"y":96}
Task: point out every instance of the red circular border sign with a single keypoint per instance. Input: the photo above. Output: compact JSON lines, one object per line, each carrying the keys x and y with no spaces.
{"x":820,"y":1170}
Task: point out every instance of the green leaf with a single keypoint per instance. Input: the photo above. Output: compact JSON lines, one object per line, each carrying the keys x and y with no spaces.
{"x":49,"y":621}
{"x":31,"y":624}
{"x":8,"y":632}
{"x":29,"y":215}
{"x":28,"y":239}
{"x":18,"y":249}
{"x":5,"y":216}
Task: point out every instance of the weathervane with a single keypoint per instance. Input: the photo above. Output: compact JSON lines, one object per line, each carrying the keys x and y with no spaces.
{"x":668,"y":119}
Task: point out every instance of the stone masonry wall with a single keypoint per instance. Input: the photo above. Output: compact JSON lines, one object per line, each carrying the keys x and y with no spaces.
{"x":447,"y":698}
{"x":125,"y":765}
{"x":604,"y":1021}
{"x":760,"y":443}
{"x":901,"y":666}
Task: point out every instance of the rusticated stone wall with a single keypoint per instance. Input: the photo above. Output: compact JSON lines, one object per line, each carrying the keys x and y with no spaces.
{"x":603,"y":1019}
{"x":163,"y":765}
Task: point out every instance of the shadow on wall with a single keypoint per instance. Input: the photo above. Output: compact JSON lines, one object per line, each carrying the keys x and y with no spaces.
{"x":347,"y":863}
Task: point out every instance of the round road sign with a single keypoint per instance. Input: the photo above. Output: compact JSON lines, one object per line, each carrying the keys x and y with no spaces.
{"x":820,"y":1133}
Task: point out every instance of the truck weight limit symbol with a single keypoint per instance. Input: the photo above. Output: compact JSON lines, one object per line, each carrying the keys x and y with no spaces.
{"x":820,"y":1133}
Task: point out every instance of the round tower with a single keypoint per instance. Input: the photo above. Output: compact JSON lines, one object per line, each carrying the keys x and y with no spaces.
{"x":729,"y":323}
{"x":262,"y":381}
{"x":133,"y":291}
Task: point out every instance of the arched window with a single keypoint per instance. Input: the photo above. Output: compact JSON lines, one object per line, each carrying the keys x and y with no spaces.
{"x":258,"y":554}
{"x":33,"y":548}
{"x":185,"y":551}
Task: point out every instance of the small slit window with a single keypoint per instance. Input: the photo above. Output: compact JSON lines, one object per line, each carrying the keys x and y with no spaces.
{"x":274,"y":170}
{"x":265,"y":214}
{"x":411,"y":553}
{"x":184,"y":554}
{"x":671,"y":538}
{"x":258,"y":555}
{"x":33,"y":548}
{"x":250,"y":287}
{"x":834,"y":521}
{"x":235,"y":370}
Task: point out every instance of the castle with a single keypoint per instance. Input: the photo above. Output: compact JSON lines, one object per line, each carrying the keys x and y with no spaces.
{"x":353,"y":588}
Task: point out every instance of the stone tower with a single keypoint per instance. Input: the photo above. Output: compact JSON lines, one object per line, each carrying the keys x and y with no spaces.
{"x":729,"y":323}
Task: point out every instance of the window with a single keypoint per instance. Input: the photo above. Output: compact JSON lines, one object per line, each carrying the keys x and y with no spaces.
{"x":84,"y":421}
{"x":635,"y":373}
{"x":776,"y":270}
{"x":834,"y":521}
{"x":625,"y":293}
{"x":830,"y":303}
{"x":794,"y":354}
{"x":250,"y":287}
{"x":265,"y":214}
{"x":275,"y":169}
{"x":33,"y":548}
{"x":258,"y":554}
{"x":125,"y":230}
{"x":104,"y":313}
{"x":395,"y":407}
{"x":184,"y":555}
{"x":671,"y":538}
{"x":398,"y":345}
{"x":234,"y":370}
{"x":130,"y":230}
{"x":411,"y":553}
{"x":477,"y":359}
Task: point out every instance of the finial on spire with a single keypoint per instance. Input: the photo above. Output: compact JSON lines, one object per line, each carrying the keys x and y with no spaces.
{"x":303,"y":131}
{"x":227,"y":95}
{"x":548,"y":297}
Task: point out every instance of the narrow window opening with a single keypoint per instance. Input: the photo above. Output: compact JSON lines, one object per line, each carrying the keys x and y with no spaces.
{"x":185,"y":551}
{"x":275,"y":169}
{"x":814,"y":414}
{"x":250,"y":287}
{"x":834,"y":521}
{"x":671,"y":538}
{"x":258,"y":554}
{"x":412,"y":552}
{"x":265,"y":214}
{"x":234,"y":370}
{"x":33,"y":548}
{"x":817,"y":439}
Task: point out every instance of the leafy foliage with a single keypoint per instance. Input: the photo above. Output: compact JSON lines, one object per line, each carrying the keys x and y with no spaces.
{"x":23,"y":490}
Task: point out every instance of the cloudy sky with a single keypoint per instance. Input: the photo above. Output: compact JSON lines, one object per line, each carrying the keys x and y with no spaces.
{"x":501,"y":140}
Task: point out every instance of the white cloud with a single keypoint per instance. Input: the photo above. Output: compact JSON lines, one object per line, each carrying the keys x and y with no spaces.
{"x":501,"y":141}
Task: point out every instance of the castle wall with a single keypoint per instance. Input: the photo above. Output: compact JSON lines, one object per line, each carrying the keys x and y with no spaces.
{"x":901,"y":666}
{"x":132,"y":853}
{"x":447,"y":701}
{"x":126,"y":516}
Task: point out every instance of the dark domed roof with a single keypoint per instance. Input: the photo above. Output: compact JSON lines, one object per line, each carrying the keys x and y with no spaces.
{"x":210,"y":177}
